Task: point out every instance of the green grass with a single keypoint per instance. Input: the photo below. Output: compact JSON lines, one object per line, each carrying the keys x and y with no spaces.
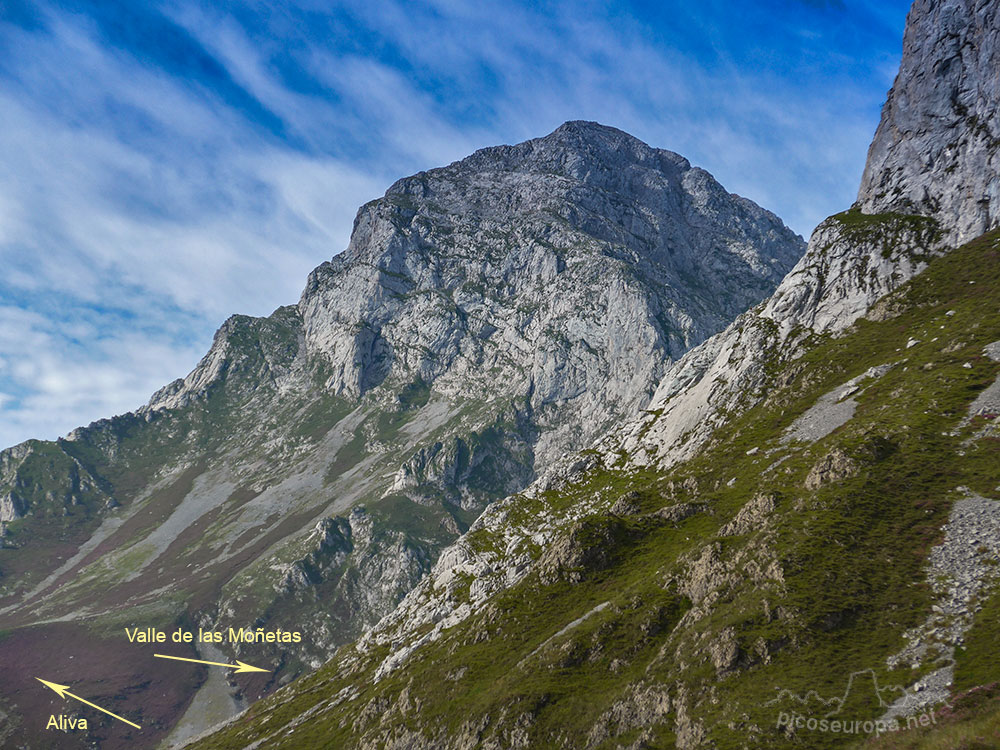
{"x":396,"y":513}
{"x":971,"y":723}
{"x":887,"y":229}
{"x":978,"y":661}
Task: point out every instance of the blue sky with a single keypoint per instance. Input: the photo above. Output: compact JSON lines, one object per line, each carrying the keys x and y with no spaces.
{"x":168,"y":164}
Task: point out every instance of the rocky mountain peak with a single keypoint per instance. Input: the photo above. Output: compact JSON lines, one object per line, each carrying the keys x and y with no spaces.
{"x":453,"y":271}
{"x":578,"y":150}
{"x":937,"y":148}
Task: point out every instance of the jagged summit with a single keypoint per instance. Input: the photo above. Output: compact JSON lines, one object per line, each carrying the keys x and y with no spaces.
{"x":580,"y":150}
{"x":583,"y":155}
{"x":585,"y":256}
{"x":937,"y":148}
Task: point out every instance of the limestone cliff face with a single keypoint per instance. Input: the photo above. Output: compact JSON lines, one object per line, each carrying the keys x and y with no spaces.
{"x":937,"y":148}
{"x":569,"y":270}
{"x":566,"y":273}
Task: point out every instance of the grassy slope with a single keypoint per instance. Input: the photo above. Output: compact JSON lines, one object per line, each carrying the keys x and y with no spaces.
{"x":839,"y":568}
{"x":243,"y":421}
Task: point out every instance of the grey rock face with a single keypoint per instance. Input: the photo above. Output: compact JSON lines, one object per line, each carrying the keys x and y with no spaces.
{"x":569,"y":269}
{"x":937,"y":148}
{"x":852,"y":262}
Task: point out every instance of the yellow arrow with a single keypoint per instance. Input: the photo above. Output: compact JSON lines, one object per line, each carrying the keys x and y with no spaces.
{"x":63,"y":692}
{"x":238,"y":666}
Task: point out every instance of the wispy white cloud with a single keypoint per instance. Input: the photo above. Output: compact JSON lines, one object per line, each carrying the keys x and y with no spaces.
{"x":55,"y":376}
{"x":145,"y":197}
{"x":122,"y":255}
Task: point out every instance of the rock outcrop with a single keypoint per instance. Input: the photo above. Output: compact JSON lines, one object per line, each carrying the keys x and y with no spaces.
{"x":937,"y":149}
{"x":853,"y":260}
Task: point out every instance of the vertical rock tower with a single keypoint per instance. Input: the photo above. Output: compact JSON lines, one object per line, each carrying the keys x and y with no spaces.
{"x":937,"y":149}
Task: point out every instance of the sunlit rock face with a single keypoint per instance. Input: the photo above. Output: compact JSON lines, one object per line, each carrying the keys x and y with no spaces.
{"x":936,"y":149}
